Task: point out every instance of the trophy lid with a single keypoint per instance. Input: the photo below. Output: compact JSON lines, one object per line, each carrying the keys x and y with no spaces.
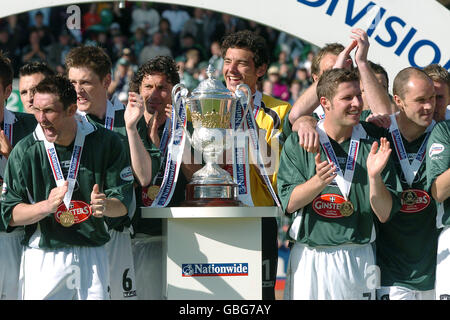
{"x":211,"y":86}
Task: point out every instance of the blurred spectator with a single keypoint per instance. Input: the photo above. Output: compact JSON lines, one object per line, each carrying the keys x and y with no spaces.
{"x":308,"y":62}
{"x":216,"y":59}
{"x":225,"y":26}
{"x":303,"y":77}
{"x":156,"y":48}
{"x":119,"y":42}
{"x":57,"y":51}
{"x":121,"y":79}
{"x":267,"y":87}
{"x":91,"y":17}
{"x":196,"y":26}
{"x":145,"y":17}
{"x":9,"y":48}
{"x":210,"y":22}
{"x":45,"y":16}
{"x":43,"y":30}
{"x":295,"y":89}
{"x":293,"y":46}
{"x":185,"y":77}
{"x":33,"y":51}
{"x":169,"y":39}
{"x":280,"y":90}
{"x":177,"y":17}
{"x":138,"y":41}
{"x":192,"y":61}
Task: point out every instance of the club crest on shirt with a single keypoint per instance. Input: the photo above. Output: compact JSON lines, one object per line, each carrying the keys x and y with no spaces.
{"x":79,"y":209}
{"x":126,"y":174}
{"x":328,"y":205}
{"x":435,"y":149}
{"x":414,"y":200}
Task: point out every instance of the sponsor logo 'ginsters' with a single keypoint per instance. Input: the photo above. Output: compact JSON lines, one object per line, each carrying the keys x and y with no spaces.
{"x":79,"y":209}
{"x":328,"y":205}
{"x":419,"y":203}
{"x":214,"y":269}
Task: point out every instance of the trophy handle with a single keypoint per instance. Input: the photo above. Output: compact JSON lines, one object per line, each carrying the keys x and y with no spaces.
{"x":239,"y":94}
{"x":183,"y":98}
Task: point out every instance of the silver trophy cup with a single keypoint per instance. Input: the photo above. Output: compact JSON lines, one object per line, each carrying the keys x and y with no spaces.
{"x":212,"y":108}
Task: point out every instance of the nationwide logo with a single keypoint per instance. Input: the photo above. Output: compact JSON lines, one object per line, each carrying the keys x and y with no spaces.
{"x":79,"y":209}
{"x":328,"y":205}
{"x":435,"y":149}
{"x":419,"y":202}
{"x":214,"y":269}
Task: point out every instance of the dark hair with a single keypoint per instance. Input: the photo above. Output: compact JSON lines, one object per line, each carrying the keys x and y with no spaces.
{"x":160,"y":64}
{"x":330,"y":80}
{"x":400,"y":87}
{"x":437,"y":73}
{"x":330,"y":48}
{"x":249,"y":40}
{"x":6,"y":70}
{"x":91,"y":57}
{"x":378,"y":69}
{"x":61,"y":87}
{"x":36,"y":67}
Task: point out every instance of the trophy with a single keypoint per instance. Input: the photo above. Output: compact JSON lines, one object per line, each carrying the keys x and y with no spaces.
{"x":212,"y":108}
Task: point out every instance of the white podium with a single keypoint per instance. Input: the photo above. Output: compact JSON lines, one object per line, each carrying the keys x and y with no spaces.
{"x":211,"y":252}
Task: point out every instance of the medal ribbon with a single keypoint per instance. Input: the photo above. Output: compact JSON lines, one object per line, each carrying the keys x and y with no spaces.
{"x":163,"y":149}
{"x":251,"y":125}
{"x":344,"y":181}
{"x":111,"y":111}
{"x":8,"y":120}
{"x":83,"y":129}
{"x":409,"y":169}
{"x":174,"y":155}
{"x":319,"y":112}
{"x":241,"y":172}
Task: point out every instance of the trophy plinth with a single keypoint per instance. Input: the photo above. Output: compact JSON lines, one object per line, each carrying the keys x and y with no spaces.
{"x":211,"y":107}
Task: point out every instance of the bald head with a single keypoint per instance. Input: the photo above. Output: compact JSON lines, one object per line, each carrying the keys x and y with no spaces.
{"x":401,"y":81}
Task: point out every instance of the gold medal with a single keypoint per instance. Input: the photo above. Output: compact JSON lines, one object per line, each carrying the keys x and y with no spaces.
{"x":409,"y":197}
{"x":66,"y":219}
{"x":152,"y":192}
{"x":346,"y":209}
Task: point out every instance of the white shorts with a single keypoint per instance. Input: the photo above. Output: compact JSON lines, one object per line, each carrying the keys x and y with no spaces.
{"x":331,"y":273}
{"x":147,"y":253}
{"x":74,"y":273}
{"x":121,"y":267}
{"x":443,"y":266}
{"x":402,"y":293}
{"x":10,"y":255}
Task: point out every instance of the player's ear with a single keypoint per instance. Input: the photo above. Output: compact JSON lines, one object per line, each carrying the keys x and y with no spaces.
{"x":72,"y":109}
{"x":325,"y":103}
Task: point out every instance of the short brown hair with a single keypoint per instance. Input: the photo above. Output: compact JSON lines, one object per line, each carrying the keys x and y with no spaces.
{"x":91,"y":57}
{"x":437,"y":73}
{"x":330,"y":48}
{"x":330,"y":80}
{"x":61,"y":87}
{"x":400,"y":87}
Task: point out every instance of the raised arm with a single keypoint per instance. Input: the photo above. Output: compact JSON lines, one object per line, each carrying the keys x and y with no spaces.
{"x":380,"y":197}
